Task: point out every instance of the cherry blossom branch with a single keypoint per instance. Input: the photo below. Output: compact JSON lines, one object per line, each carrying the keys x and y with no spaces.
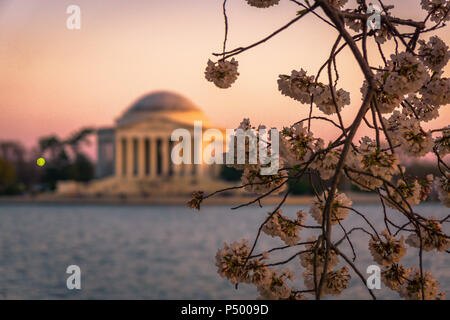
{"x":239,"y":50}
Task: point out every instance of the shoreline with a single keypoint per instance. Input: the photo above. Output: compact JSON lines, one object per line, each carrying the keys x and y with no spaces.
{"x":177,"y":200}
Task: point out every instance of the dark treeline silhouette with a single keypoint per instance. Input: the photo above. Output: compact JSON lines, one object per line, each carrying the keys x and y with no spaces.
{"x":419,"y":169}
{"x":65,"y":160}
{"x":19,"y":173}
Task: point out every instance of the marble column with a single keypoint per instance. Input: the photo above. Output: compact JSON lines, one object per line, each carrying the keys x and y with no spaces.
{"x":119,"y":164}
{"x":141,"y":154}
{"x":165,"y":156}
{"x":153,"y":157}
{"x":130,"y":157}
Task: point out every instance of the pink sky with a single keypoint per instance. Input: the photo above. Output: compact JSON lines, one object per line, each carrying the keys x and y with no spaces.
{"x":55,"y":80}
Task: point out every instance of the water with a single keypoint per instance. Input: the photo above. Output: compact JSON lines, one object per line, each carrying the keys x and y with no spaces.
{"x":152,"y":252}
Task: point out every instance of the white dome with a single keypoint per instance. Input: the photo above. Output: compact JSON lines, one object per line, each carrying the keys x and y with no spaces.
{"x":162,"y":101}
{"x":157,"y":102}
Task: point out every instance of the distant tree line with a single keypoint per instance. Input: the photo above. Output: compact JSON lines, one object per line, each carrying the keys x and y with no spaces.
{"x":65,"y":160}
{"x":418,"y":169}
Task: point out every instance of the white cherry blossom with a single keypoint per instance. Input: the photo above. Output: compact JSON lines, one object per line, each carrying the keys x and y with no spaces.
{"x":334,"y":282}
{"x":298,"y":86}
{"x":439,"y":9}
{"x":434,"y":53}
{"x":371,"y":164}
{"x":388,"y":251}
{"x":297,"y":145}
{"x":339,"y":208}
{"x":307,"y":258}
{"x":436,"y":92}
{"x":326,"y":163}
{"x":230,"y":263}
{"x":262,"y":3}
{"x":222,"y":73}
{"x":432,"y":236}
{"x":324,"y":100}
{"x":416,"y":107}
{"x":411,"y":289}
{"x":276,"y":287}
{"x":406,"y":74}
{"x":394,"y":276}
{"x":442,"y":143}
{"x":286,"y":229}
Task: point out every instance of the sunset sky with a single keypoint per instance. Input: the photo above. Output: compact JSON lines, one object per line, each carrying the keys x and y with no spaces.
{"x":55,"y":80}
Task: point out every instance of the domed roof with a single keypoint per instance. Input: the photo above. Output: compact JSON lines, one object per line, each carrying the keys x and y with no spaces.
{"x":162,"y":101}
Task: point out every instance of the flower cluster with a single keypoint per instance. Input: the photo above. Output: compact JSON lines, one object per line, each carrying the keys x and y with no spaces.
{"x":415,"y":141}
{"x":230,"y":261}
{"x":222,"y":73}
{"x":334,"y":282}
{"x":298,"y":86}
{"x":416,"y":107}
{"x":371,"y":164}
{"x":442,"y":144}
{"x":406,"y":74}
{"x":283,"y":227}
{"x":386,"y":102}
{"x":426,"y":186}
{"x":307,"y":258}
{"x":197,"y":198}
{"x":262,"y":3}
{"x":301,"y":87}
{"x":275,"y":288}
{"x":432,"y":236}
{"x":438,"y":9}
{"x":411,"y":289}
{"x":394,"y":123}
{"x":245,"y":145}
{"x":337,"y":281}
{"x":323,"y":98}
{"x":409,"y":191}
{"x":354,"y":24}
{"x":383,"y":34}
{"x":338,"y":208}
{"x":394,"y":276}
{"x":407,"y":132}
{"x":442,"y":186}
{"x":388,"y":251}
{"x":297,"y":145}
{"x":434,"y":54}
{"x":436,"y":92}
{"x":247,"y":151}
{"x":325,"y":162}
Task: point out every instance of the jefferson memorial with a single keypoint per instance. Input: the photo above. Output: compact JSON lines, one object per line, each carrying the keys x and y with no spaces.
{"x":134,"y":156}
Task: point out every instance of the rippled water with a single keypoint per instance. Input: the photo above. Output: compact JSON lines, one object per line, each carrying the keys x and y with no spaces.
{"x":150,"y":252}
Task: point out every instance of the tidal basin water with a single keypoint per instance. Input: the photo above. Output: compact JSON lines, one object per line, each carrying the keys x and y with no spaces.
{"x":156,"y":252}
